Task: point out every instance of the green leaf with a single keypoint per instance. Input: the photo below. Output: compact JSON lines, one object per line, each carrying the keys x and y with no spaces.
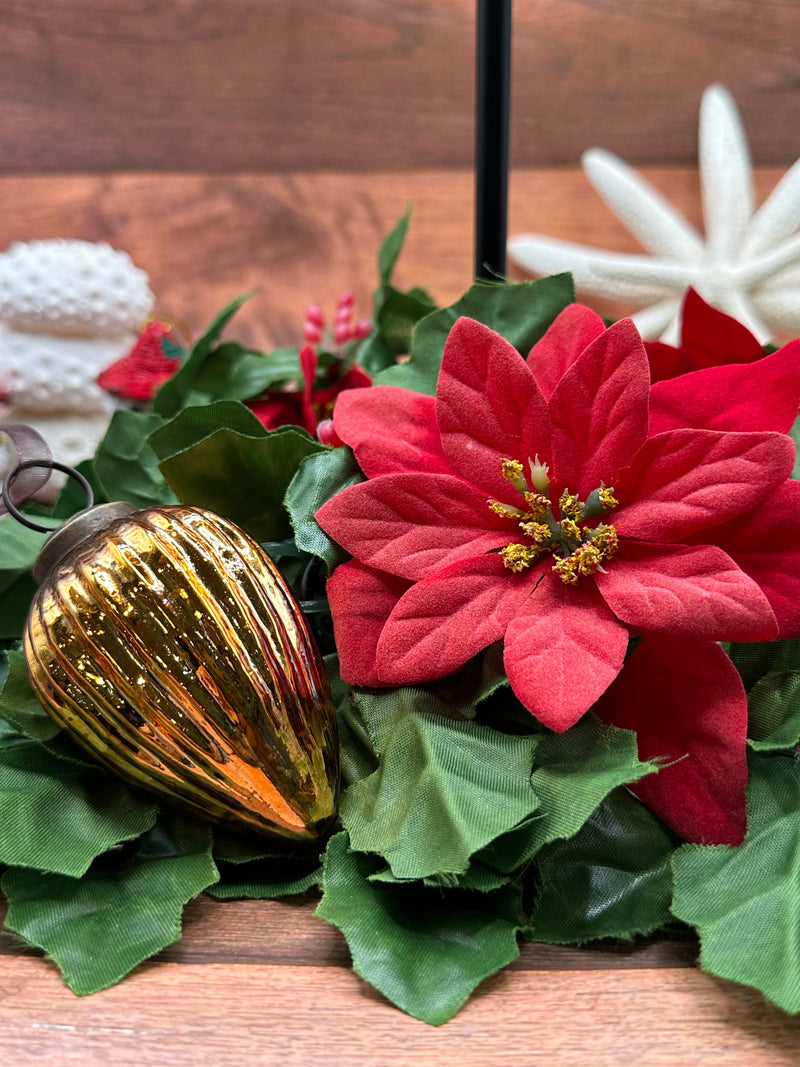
{"x":356,"y":754}
{"x":15,"y":602}
{"x":611,"y":879}
{"x":794,"y":433}
{"x":125,"y":464}
{"x":755,"y":659}
{"x":424,"y":949}
{"x":265,"y":878}
{"x":444,"y":789}
{"x":194,"y":424}
{"x":72,"y":497}
{"x":240,"y":475}
{"x":574,"y":772}
{"x":235,"y":373}
{"x":20,"y":706}
{"x":519,"y":311}
{"x":174,"y":393}
{"x":318,"y":478}
{"x":58,"y":815}
{"x":773,"y":705}
{"x":391,"y":247}
{"x":126,"y":908}
{"x":745,"y":901}
{"x":19,"y":548}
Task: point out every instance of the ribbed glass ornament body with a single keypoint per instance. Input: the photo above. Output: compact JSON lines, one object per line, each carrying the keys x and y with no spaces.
{"x":169,"y":646}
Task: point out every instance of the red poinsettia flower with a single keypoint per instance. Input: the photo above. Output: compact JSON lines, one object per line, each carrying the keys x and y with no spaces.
{"x":561,"y":504}
{"x":310,"y":407}
{"x":709,"y":338}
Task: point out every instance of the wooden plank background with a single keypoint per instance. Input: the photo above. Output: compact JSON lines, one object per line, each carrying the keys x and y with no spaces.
{"x":371,"y":85}
{"x":231,"y":145}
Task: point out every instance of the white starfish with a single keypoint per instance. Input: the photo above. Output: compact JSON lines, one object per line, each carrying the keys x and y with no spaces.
{"x":748,"y":265}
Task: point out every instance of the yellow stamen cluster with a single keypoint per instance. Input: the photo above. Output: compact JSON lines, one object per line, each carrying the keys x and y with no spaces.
{"x":580,"y":550}
{"x":588,"y":557}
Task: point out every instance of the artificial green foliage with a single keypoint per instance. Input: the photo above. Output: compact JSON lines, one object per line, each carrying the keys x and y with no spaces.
{"x":260,"y":881}
{"x":72,"y":497}
{"x":773,"y":706}
{"x":193,"y":425}
{"x":356,"y":752}
{"x":243,"y":474}
{"x":20,"y":707}
{"x":58,"y":814}
{"x":745,"y":901}
{"x":125,"y":464}
{"x":15,"y":600}
{"x":19,"y":548}
{"x":445,"y":787}
{"x":611,"y":879}
{"x":426,"y":949}
{"x":125,"y":908}
{"x":574,"y":771}
{"x":318,"y":478}
{"x":236,"y":373}
{"x":394,"y":313}
{"x":757,"y":659}
{"x":177,"y":391}
{"x":520,"y":312}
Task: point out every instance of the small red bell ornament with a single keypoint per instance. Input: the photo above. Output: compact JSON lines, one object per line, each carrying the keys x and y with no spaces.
{"x":167,"y":644}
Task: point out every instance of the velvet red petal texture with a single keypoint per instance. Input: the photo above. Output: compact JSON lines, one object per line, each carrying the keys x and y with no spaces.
{"x":390,"y":430}
{"x":696,"y":716}
{"x":489,"y":407}
{"x":361,"y":600}
{"x":765,"y":544}
{"x":764,"y":395}
{"x":666,"y":361}
{"x":599,"y":410}
{"x":563,"y":651}
{"x":412,"y":524}
{"x":688,"y":591}
{"x":443,"y":621}
{"x":683,"y":481}
{"x":551,"y":357}
{"x":710,"y":337}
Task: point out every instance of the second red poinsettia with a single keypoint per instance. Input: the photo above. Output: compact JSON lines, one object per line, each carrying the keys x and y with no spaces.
{"x":558,"y":504}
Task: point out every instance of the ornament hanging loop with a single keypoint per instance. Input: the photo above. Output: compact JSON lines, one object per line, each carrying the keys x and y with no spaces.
{"x":31,"y":464}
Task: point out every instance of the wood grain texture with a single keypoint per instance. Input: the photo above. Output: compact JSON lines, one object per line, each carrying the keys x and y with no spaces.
{"x":255,"y":932}
{"x":232,"y":1015}
{"x":205,"y":239}
{"x":287,"y":85}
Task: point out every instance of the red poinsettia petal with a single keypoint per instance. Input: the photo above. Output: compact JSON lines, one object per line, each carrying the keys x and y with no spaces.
{"x":687,"y":591}
{"x":710,"y":337}
{"x":412,"y":524}
{"x":563,"y":651}
{"x":666,"y":361}
{"x":308,"y":365}
{"x":489,"y":407}
{"x":361,"y":601}
{"x":390,"y":430}
{"x":764,"y":395}
{"x":599,"y":410}
{"x":277,"y":410}
{"x":696,"y":716}
{"x":572,"y":331}
{"x":766,"y":546}
{"x":683,"y":481}
{"x":443,"y":621}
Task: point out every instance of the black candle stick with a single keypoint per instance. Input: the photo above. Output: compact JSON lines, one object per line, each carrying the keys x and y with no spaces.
{"x":493,"y":80}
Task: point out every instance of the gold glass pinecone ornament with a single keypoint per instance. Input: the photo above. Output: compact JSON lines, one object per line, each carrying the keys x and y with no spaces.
{"x":168,"y":645}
